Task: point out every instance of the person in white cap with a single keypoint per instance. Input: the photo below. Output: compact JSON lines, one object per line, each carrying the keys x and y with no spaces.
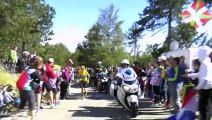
{"x":205,"y":82}
{"x":50,"y":84}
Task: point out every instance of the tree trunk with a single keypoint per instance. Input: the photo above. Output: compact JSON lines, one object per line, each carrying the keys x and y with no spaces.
{"x":23,"y":48}
{"x":169,"y":37}
{"x":135,"y":49}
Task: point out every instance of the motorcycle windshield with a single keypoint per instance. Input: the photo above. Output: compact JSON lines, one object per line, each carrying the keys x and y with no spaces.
{"x":103,"y":76}
{"x":130,"y":82}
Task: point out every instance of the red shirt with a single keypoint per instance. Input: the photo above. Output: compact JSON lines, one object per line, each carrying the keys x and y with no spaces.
{"x":137,"y":70}
{"x":50,"y":72}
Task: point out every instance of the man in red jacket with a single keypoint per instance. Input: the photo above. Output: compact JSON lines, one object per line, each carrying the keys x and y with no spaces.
{"x":50,"y":84}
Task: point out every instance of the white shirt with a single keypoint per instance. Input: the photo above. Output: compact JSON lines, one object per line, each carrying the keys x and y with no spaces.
{"x":205,"y":74}
{"x":193,"y":75}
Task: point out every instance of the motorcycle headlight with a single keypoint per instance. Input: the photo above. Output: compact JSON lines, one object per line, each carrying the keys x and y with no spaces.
{"x":126,"y":88}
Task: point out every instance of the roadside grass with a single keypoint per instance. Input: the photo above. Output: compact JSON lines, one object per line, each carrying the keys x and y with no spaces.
{"x":6,"y":78}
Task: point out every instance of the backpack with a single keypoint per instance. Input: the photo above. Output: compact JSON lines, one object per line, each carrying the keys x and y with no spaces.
{"x":22,"y":80}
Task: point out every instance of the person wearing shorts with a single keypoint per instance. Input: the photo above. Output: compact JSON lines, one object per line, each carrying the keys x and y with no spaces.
{"x":28,"y":93}
{"x":50,"y":84}
{"x":84,"y":84}
{"x":56,"y":89}
{"x":39,"y":90}
{"x":84,"y":77}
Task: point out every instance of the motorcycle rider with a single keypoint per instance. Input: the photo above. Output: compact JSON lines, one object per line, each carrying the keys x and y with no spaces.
{"x":98,"y":70}
{"x":104,"y":71}
{"x":127,"y":91}
{"x":124,"y":65}
{"x":99,"y":67}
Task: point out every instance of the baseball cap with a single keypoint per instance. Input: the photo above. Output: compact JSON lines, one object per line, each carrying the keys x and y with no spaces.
{"x":51,"y":60}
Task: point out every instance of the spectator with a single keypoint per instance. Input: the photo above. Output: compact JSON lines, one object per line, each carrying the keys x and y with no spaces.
{"x":155,"y":82}
{"x":205,"y":84}
{"x":28,"y":93}
{"x":50,"y":84}
{"x":57,"y":70}
{"x":175,"y":83}
{"x":65,"y":83}
{"x":12,"y":59}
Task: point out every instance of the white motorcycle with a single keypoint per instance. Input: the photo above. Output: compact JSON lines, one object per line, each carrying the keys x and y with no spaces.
{"x":128,"y":92}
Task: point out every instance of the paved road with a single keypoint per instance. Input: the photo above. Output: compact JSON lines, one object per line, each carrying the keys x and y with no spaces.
{"x":97,"y":106}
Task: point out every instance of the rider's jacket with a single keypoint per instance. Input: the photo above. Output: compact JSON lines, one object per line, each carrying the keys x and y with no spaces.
{"x":99,"y":68}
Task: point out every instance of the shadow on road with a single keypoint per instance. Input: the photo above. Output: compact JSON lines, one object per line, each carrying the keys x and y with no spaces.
{"x":116,"y":111}
{"x":92,"y":95}
{"x":110,"y":112}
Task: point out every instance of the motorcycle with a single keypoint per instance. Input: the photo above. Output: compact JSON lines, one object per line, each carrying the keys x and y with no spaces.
{"x":128,"y":92}
{"x":102,"y":83}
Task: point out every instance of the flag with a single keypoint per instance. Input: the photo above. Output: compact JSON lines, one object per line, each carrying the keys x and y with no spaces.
{"x":197,"y":15}
{"x":189,"y":108}
{"x":188,"y":98}
{"x":70,"y":61}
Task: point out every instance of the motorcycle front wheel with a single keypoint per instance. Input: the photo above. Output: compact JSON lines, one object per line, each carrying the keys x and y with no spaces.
{"x":134,"y":109}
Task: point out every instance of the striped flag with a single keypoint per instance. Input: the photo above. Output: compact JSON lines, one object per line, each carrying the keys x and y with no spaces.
{"x":197,"y":15}
{"x":189,"y":108}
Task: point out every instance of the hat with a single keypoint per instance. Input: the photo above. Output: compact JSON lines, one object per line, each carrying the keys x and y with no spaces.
{"x":51,"y":60}
{"x":26,"y":52}
{"x":203,"y":53}
{"x":162,"y":58}
{"x":83,"y":67}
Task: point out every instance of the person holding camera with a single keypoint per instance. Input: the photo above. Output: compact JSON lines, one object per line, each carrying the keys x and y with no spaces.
{"x":28,"y":83}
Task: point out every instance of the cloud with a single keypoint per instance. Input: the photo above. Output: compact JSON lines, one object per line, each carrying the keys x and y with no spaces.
{"x":151,"y":40}
{"x":207,"y":28}
{"x":70,"y":36}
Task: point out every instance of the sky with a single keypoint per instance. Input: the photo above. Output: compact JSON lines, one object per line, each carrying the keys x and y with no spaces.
{"x":74,"y":18}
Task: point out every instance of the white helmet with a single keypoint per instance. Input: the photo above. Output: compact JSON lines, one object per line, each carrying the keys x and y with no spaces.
{"x":99,"y":62}
{"x":125,"y":61}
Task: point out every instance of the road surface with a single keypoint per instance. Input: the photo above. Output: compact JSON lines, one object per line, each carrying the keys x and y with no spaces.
{"x":97,"y":106}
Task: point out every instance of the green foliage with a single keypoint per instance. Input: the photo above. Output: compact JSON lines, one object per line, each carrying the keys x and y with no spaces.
{"x":163,"y":15}
{"x":208,"y":3}
{"x":26,"y":22}
{"x":104,"y":41}
{"x":59,"y":52}
{"x":134,"y":35}
{"x":146,"y":58}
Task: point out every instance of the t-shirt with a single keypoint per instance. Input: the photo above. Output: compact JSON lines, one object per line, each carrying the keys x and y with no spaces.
{"x":155,"y":80}
{"x":83,"y":75}
{"x":50,"y":72}
{"x":13,"y":56}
